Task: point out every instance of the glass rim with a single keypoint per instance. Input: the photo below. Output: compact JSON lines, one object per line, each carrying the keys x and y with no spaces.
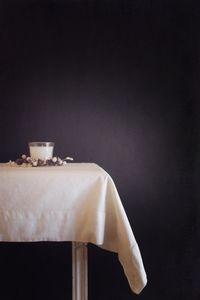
{"x":41,"y":144}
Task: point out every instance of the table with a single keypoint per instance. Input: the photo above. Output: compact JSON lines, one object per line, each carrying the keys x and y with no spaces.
{"x":78,"y":203}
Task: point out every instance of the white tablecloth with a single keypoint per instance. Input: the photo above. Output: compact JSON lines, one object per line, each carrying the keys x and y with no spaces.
{"x":76,"y":202}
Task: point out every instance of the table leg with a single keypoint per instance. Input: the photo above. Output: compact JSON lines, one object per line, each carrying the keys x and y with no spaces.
{"x":79,"y":271}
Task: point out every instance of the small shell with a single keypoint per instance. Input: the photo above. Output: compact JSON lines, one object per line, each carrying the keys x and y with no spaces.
{"x":54,"y":159}
{"x":69,"y":158}
{"x":35,"y":163}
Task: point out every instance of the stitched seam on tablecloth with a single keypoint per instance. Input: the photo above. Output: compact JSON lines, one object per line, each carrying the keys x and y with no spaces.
{"x":3,"y":212}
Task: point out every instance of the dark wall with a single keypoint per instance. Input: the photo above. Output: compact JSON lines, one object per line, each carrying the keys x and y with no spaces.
{"x":113,"y":83}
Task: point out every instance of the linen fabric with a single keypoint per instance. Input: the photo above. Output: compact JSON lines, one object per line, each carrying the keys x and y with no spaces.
{"x":76,"y":202}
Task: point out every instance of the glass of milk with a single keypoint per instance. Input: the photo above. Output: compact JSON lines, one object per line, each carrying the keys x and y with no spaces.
{"x":41,"y":150}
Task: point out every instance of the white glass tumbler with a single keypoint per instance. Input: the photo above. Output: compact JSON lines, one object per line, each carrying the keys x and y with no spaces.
{"x":41,"y":150}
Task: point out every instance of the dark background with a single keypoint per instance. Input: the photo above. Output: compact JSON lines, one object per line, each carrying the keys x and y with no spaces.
{"x":116,"y":83}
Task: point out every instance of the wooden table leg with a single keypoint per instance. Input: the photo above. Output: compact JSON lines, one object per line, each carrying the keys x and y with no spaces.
{"x":79,"y":271}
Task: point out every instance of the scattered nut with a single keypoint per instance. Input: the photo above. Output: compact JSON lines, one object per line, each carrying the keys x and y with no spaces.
{"x":19,"y":161}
